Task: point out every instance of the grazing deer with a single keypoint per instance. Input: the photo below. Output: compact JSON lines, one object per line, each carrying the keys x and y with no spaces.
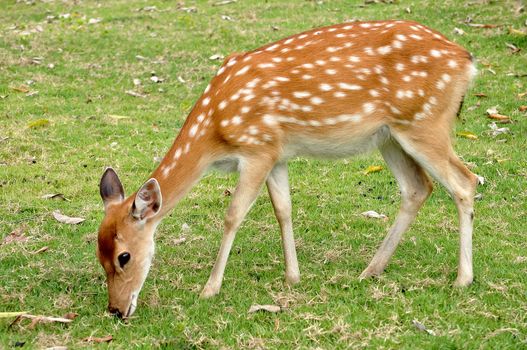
{"x":328,"y":92}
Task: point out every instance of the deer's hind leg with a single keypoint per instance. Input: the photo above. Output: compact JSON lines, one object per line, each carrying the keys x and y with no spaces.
{"x":415,"y":187}
{"x":437,"y":157}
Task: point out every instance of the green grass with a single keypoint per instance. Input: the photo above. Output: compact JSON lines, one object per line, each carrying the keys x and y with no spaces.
{"x":94,"y":64}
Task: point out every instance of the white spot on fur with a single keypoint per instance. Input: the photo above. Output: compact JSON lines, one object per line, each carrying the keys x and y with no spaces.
{"x":331,"y":71}
{"x":373,"y":93}
{"x":346,"y":86}
{"x":236,"y":120}
{"x":384,"y":50}
{"x":307,"y":77}
{"x":399,"y":67}
{"x":325,"y":87}
{"x":416,"y":37}
{"x":452,"y":64}
{"x":316,"y":100}
{"x":368,"y":107}
{"x":222,"y":105}
{"x":266,"y":65}
{"x":435,"y":53}
{"x":400,"y":37}
{"x":273,"y":47}
{"x":242,"y":71}
{"x":339,"y":94}
{"x":354,"y":59}
{"x":301,"y":94}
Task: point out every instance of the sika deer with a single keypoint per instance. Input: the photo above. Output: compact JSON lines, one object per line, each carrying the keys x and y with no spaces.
{"x":329,"y":92}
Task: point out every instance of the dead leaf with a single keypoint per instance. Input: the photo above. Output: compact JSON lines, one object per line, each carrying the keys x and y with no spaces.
{"x":16,"y":235}
{"x":140,"y":58}
{"x":70,"y":315}
{"x":156,"y":79}
{"x":480,"y":94}
{"x":216,"y":57}
{"x":32,"y":93}
{"x":268,"y":308}
{"x":22,"y":88}
{"x":422,"y":327}
{"x":500,"y":118}
{"x":105,"y":339}
{"x":225,"y":2}
{"x":459,"y":31}
{"x":481,"y":179}
{"x":39,"y":319}
{"x":467,"y":134}
{"x":185,"y":228}
{"x":134,"y":94}
{"x":483,"y":25}
{"x":373,"y":169}
{"x":94,"y":20}
{"x":227,"y":18}
{"x":136,"y":82}
{"x":495,"y":131}
{"x":12,"y":314}
{"x":522,"y":94}
{"x":181,"y":80}
{"x":38,"y":123}
{"x":55,"y":196}
{"x":41,"y":250}
{"x":476,"y":106}
{"x":493,"y":113}
{"x":66,"y":219}
{"x":118,"y":117}
{"x":374,"y":214}
{"x":517,"y":32}
{"x":179,"y":240}
{"x":522,"y":108}
{"x":514,"y":49}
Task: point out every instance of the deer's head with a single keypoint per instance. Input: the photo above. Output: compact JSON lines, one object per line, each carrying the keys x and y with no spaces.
{"x":125,"y":244}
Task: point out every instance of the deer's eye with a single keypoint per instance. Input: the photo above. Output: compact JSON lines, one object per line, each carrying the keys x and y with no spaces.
{"x":123,"y":258}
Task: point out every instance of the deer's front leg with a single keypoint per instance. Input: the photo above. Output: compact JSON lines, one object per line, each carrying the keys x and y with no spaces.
{"x":278,"y":186}
{"x":252,"y":176}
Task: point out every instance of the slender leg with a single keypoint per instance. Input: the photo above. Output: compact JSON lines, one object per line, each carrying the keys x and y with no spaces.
{"x":252,"y":176}
{"x":278,"y":186}
{"x":438,"y":158}
{"x":415,"y":188}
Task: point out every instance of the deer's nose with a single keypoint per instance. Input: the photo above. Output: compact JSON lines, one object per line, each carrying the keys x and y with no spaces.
{"x":115,"y":311}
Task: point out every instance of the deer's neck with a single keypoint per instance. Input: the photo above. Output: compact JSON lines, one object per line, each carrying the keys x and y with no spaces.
{"x":194,"y":150}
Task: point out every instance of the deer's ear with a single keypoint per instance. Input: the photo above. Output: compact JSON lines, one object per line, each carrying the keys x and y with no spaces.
{"x":147,"y":201}
{"x":110,"y":187}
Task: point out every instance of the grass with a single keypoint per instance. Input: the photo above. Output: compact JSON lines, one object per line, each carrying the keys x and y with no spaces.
{"x":84,"y":89}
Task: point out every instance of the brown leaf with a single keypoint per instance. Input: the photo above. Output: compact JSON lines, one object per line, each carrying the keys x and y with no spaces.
{"x":480,"y":94}
{"x":483,"y":25}
{"x":22,"y":88}
{"x":522,"y":108}
{"x":268,"y":308}
{"x":39,"y":319}
{"x":105,"y":339}
{"x":55,"y":196}
{"x":514,"y":49}
{"x":41,"y":250}
{"x":15,"y":236}
{"x":66,"y":219}
{"x":134,"y":94}
{"x":70,"y":315}
{"x":500,"y":118}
